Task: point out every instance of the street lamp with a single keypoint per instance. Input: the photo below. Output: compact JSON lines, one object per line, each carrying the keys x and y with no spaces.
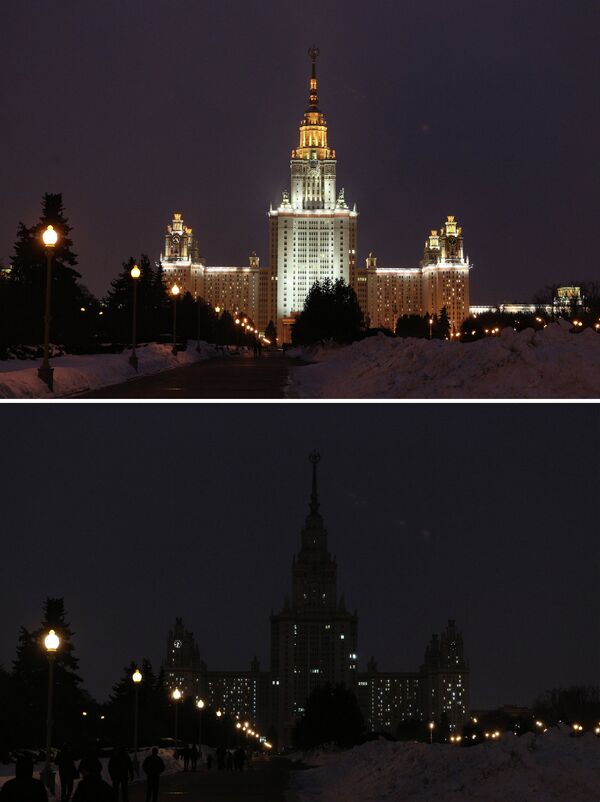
{"x":137,"y":678}
{"x":431,"y":727}
{"x":174,"y":294}
{"x":51,"y":642}
{"x":135,"y":275}
{"x":45,"y":372}
{"x":176,"y":696}
{"x":200,"y":706}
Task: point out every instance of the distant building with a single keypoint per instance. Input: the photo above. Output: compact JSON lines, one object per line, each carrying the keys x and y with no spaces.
{"x":314,"y":641}
{"x":313,"y":236}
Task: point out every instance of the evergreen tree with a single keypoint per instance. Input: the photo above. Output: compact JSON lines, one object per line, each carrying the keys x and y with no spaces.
{"x":271,"y":332}
{"x":441,"y":326}
{"x":25,"y":292}
{"x":331,"y":312}
{"x":332,"y":715}
{"x":30,"y":681}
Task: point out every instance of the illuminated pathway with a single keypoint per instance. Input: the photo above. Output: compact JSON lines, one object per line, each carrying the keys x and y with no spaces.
{"x":229,"y":377}
{"x":265,"y":782}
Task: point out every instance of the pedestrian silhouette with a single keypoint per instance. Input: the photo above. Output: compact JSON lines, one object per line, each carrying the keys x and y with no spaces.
{"x":66,"y":772}
{"x":194,"y":757}
{"x":92,"y":787}
{"x":120,"y":769}
{"x":220,"y":758}
{"x":90,"y":764}
{"x":186,"y":757}
{"x":229,"y":760}
{"x":23,"y":787}
{"x":153,"y":767}
{"x":209,"y":762}
{"x":239,"y":758}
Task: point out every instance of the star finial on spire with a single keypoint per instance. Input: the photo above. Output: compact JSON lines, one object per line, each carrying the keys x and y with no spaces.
{"x":314,"y":458}
{"x":314,"y":54}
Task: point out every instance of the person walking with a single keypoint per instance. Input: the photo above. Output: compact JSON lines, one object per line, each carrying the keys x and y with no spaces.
{"x":66,"y":772}
{"x":194,"y":756}
{"x":92,"y":787}
{"x":120,"y":769}
{"x":23,"y":787}
{"x":90,"y":764}
{"x":153,"y":767}
{"x":186,"y":757}
{"x":209,"y":761}
{"x":221,"y":758}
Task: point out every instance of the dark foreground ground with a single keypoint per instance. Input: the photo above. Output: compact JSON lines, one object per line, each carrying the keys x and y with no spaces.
{"x":265,"y":782}
{"x":240,"y":376}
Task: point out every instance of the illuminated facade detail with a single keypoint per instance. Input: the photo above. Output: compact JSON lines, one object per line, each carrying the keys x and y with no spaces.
{"x":313,"y":638}
{"x":446,"y":678}
{"x":312,"y":233}
{"x":249,"y":289}
{"x":440,"y":688}
{"x":441,"y":280}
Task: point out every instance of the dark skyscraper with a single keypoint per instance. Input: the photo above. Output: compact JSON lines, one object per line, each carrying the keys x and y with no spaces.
{"x":313,"y":638}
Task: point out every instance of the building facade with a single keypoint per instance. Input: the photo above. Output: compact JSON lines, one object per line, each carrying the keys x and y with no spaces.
{"x":313,"y":236}
{"x":314,"y":641}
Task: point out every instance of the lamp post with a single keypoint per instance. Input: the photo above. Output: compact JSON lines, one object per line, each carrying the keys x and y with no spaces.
{"x":430,"y":328}
{"x":51,"y":642}
{"x":200,"y":705}
{"x":135,"y":275}
{"x":176,"y":696}
{"x":174,"y":294}
{"x":45,"y":372}
{"x":137,"y":678}
{"x":431,"y":726}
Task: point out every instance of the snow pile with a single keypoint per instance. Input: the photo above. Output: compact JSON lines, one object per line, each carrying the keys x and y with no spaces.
{"x":552,"y":363}
{"x":80,"y":374}
{"x":553,"y":767}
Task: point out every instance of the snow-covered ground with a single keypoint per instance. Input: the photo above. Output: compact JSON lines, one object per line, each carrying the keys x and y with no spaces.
{"x":552,"y":363}
{"x":7,"y":771}
{"x":79,"y":374}
{"x":550,"y":767}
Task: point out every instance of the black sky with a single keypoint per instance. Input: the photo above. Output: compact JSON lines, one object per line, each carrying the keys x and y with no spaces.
{"x":136,"y":108}
{"x":137,"y":514}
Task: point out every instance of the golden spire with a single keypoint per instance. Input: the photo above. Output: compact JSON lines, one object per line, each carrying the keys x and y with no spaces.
{"x":313,"y":128}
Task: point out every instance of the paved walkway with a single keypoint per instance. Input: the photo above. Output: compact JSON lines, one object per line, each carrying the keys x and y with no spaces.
{"x":265,"y":782}
{"x":240,"y":376}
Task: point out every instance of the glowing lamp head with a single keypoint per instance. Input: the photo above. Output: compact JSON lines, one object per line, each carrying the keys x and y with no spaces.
{"x":219,"y":714}
{"x":135,"y":272}
{"x":431,"y":725}
{"x":200,"y":704}
{"x":176,"y":695}
{"x":217,"y":309}
{"x":50,"y":237}
{"x":137,"y":676}
{"x":174,"y":290}
{"x":238,"y":726}
{"x":237,"y":321}
{"x":51,"y":642}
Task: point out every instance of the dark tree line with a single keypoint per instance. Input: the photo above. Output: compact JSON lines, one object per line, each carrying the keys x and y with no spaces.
{"x":331,"y":312}
{"x":81,"y":323}
{"x":332,"y":715}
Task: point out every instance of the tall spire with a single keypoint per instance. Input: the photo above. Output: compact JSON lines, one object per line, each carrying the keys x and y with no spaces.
{"x":314,"y":459}
{"x":313,"y":100}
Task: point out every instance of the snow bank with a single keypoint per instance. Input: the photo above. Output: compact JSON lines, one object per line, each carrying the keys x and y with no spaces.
{"x":553,"y":767}
{"x":79,"y":374}
{"x":552,"y":363}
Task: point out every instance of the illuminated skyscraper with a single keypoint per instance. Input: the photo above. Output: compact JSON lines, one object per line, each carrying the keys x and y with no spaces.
{"x":312,"y":233}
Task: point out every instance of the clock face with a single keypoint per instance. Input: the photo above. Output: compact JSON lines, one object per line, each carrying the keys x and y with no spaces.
{"x":175,"y":240}
{"x":452,"y":241}
{"x":177,"y":644}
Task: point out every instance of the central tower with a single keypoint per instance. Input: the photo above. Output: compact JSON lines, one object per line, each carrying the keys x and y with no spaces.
{"x":313,"y":638}
{"x":312,"y":232}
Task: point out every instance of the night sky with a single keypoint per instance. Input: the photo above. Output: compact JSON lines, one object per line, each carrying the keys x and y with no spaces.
{"x":136,"y":108}
{"x":138,"y":514}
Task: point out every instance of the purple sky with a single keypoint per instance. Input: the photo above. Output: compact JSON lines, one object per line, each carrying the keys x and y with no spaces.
{"x":136,"y":108}
{"x":138,"y":514}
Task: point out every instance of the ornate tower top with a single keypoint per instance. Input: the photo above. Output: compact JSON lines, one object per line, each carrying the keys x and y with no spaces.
{"x":313,"y":128}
